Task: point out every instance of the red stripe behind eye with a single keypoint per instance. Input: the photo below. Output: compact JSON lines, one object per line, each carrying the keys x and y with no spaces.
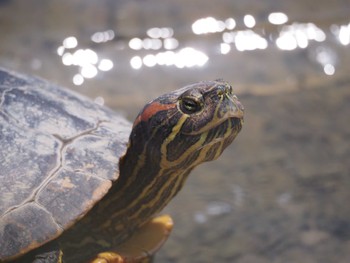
{"x":152,"y":109}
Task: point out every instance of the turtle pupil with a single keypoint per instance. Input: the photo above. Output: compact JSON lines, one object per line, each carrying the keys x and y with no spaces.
{"x":190,"y":105}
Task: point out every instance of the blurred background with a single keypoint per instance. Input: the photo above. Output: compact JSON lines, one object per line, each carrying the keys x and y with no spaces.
{"x":280,"y":193}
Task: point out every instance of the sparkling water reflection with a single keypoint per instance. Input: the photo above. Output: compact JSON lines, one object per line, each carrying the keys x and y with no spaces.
{"x":171,"y":52}
{"x":278,"y":18}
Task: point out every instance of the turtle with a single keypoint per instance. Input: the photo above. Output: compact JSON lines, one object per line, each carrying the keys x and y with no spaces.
{"x":80,"y":183}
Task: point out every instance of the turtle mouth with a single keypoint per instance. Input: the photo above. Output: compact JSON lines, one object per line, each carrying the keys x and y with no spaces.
{"x":235,"y":122}
{"x":220,"y":132}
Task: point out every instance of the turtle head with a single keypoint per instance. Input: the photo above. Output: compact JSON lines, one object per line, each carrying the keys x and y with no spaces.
{"x":170,"y":136}
{"x":191,"y":125}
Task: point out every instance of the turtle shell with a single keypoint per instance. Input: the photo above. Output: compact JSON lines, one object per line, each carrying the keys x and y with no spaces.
{"x":59,"y":155}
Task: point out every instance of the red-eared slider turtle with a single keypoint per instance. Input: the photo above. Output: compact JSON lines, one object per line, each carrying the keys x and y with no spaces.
{"x":79,"y":177}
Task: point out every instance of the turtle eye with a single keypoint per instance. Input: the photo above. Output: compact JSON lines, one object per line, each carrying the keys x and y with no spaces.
{"x":190,"y":105}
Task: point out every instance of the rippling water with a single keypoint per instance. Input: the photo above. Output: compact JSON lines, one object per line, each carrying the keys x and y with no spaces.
{"x":279,"y":193}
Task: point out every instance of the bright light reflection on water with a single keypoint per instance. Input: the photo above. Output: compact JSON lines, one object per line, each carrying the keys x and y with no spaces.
{"x":249,"y":40}
{"x":136,"y":62}
{"x":244,"y":40}
{"x":278,"y":18}
{"x":249,"y":21}
{"x":230,"y":23}
{"x":149,"y":60}
{"x":86,"y":59}
{"x":286,"y":41}
{"x":164,"y":32}
{"x":78,"y":79}
{"x":70,"y":42}
{"x":327,"y":58}
{"x":104,"y":36}
{"x":290,"y":37}
{"x":83,"y":57}
{"x":329,"y":69}
{"x":224,"y":48}
{"x":149,"y":43}
{"x":298,"y":35}
{"x":170,"y":43}
{"x":135,"y":43}
{"x":67,"y":59}
{"x":105,"y":65}
{"x":185,"y":58}
{"x":344,"y":35}
{"x":60,"y":50}
{"x":189,"y":57}
{"x":157,"y":38}
{"x":88,"y":71}
{"x":208,"y":25}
